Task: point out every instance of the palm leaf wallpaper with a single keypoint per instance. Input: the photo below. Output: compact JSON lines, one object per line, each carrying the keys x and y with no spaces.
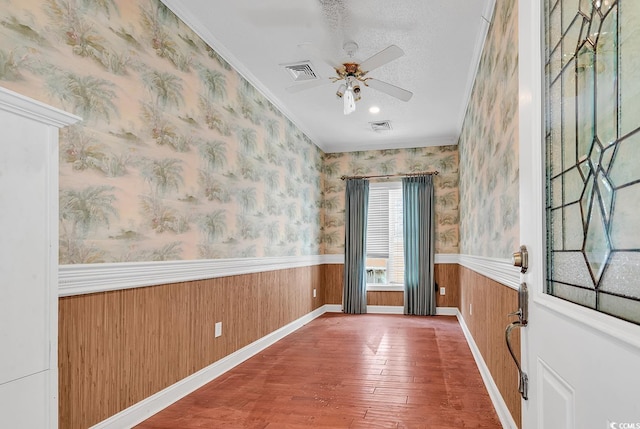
{"x":178,"y":156}
{"x":444,"y":159}
{"x":489,"y":172}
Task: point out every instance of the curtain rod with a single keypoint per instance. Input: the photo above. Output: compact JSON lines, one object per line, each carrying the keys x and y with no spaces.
{"x":388,"y":176}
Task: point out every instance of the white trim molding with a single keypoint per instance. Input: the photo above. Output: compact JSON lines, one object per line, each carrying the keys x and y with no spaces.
{"x":500,"y":270}
{"x":385,"y":309}
{"x":35,"y":110}
{"x":446,"y":311}
{"x":494,"y":393}
{"x":91,"y":278}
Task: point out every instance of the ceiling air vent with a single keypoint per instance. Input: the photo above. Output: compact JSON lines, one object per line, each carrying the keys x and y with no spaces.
{"x":380,"y":126}
{"x":301,"y":71}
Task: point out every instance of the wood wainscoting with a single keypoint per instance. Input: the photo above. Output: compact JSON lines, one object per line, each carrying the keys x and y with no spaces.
{"x":118,"y":348}
{"x":490,"y":302}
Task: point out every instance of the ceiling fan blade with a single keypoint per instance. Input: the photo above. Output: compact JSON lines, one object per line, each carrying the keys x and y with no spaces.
{"x":381,"y":58}
{"x":307,"y":85}
{"x":387,"y":88}
{"x":314,"y":52}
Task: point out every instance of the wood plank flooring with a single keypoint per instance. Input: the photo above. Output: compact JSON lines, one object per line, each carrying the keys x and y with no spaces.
{"x":347,"y":371}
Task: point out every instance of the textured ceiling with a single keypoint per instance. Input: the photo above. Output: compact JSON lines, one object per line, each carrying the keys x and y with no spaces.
{"x":442,"y":41}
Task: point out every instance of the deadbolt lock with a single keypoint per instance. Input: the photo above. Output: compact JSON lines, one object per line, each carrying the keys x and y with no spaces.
{"x":521,"y":259}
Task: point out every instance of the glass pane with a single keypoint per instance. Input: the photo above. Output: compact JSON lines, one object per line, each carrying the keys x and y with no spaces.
{"x":573,"y":228}
{"x":585,"y":93}
{"x":626,"y":168}
{"x":596,"y":245}
{"x":555,"y":222}
{"x":571,"y":39}
{"x":585,"y":169}
{"x":594,"y":29}
{"x":606,"y":158}
{"x":606,"y":80}
{"x":585,"y":297}
{"x":573,"y":185}
{"x":556,"y":195}
{"x":555,"y":63}
{"x":569,"y":12}
{"x":586,"y":199}
{"x":585,"y":7}
{"x":594,"y":156}
{"x":606,"y":195}
{"x":571,"y":268}
{"x":606,"y":5}
{"x":622,"y":275}
{"x":555,"y":29}
{"x":624,"y":308}
{"x":629,"y":39}
{"x":555,"y":127}
{"x":569,"y":115}
{"x":624,"y":233}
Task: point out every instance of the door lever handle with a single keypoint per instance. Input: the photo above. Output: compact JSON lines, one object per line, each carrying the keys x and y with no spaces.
{"x":522,"y":313}
{"x":518,"y":313}
{"x":523,"y":378}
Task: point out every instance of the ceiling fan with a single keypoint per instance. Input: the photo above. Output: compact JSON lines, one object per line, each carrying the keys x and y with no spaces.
{"x":353,"y":73}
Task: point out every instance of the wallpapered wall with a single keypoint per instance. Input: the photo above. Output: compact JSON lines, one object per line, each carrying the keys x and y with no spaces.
{"x":489,"y":214}
{"x":441,"y":158}
{"x":178,"y":157}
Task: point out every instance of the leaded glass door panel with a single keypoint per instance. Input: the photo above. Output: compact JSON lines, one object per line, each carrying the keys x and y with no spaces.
{"x":592,"y":133}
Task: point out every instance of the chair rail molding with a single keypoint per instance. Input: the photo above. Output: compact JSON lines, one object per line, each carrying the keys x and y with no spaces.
{"x":91,"y":278}
{"x":500,"y":270}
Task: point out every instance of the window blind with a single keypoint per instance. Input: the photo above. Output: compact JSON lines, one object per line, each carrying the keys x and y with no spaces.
{"x":378,"y":223}
{"x":378,"y":212}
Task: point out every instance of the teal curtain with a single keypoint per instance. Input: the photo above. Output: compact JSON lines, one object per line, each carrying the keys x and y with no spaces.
{"x":418,"y":235}
{"x":354,"y":295}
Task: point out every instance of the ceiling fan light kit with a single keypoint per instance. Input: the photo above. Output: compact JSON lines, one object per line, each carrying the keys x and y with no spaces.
{"x":353,"y":73}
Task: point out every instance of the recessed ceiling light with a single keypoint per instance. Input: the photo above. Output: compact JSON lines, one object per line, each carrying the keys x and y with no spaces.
{"x":374,"y":109}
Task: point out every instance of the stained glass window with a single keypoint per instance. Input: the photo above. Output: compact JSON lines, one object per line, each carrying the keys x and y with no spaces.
{"x":592,"y":79}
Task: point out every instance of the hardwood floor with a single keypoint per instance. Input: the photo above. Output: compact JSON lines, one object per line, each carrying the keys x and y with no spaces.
{"x":347,"y":371}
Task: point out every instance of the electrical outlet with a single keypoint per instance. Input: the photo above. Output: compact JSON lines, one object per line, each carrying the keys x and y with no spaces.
{"x":470,"y":309}
{"x":314,"y":293}
{"x":218,"y":330}
{"x":442,"y":291}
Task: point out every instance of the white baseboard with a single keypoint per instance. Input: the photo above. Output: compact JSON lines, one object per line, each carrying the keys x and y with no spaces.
{"x":446,"y":311}
{"x":333,"y":308}
{"x":385,"y":309}
{"x":159,"y":401}
{"x":496,"y":398}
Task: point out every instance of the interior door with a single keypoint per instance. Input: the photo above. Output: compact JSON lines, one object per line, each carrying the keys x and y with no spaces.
{"x":582,"y":365}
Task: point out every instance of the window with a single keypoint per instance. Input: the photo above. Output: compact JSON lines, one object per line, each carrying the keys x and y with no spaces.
{"x":385,"y":245}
